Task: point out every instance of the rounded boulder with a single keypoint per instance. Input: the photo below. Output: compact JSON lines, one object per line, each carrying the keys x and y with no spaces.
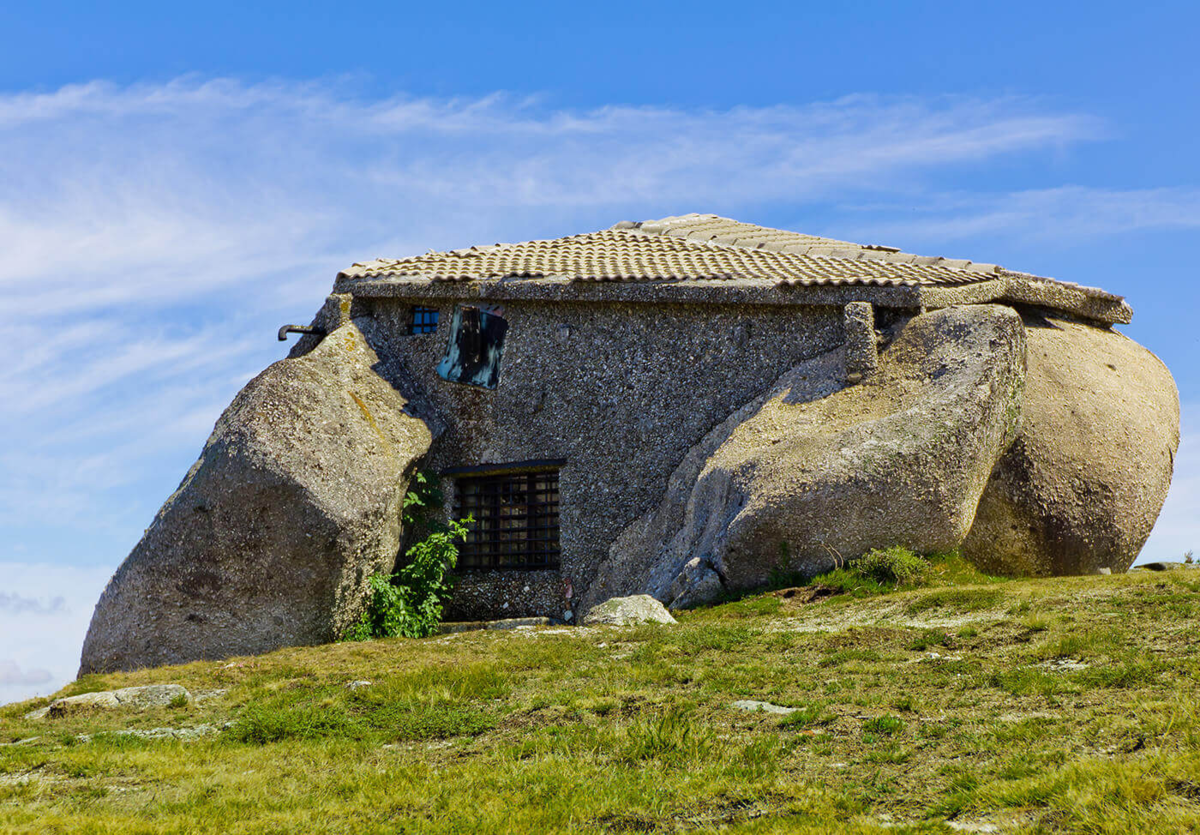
{"x":1080,"y":488}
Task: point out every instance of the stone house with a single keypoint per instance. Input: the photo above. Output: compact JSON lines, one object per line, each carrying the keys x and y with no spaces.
{"x":622,"y":349}
{"x":578,"y":396}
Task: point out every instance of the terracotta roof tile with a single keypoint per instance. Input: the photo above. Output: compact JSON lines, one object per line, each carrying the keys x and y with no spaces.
{"x":634,"y":255}
{"x":700,"y":248}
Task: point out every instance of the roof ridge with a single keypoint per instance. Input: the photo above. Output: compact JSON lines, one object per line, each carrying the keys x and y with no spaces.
{"x":710,"y":228}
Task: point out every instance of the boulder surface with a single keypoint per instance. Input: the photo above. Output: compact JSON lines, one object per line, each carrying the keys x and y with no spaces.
{"x":813,"y":473}
{"x":268,"y":542}
{"x":1080,"y":488}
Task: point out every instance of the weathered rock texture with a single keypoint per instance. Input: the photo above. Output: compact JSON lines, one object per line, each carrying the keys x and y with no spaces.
{"x":812,"y":473}
{"x":626,"y":611}
{"x":270,"y":538}
{"x":1081,"y":487}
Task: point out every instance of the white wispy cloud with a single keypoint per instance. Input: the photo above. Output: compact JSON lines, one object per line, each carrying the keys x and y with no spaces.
{"x":44,"y":613}
{"x":13,"y":676}
{"x":1065,"y":213}
{"x":155,"y":235}
{"x":17,"y":604}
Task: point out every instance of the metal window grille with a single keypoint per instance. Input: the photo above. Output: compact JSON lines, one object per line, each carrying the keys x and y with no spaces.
{"x":424,"y":320}
{"x":516,"y":520}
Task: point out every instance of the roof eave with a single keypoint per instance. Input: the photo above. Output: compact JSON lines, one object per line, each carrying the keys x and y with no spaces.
{"x":688,"y":291}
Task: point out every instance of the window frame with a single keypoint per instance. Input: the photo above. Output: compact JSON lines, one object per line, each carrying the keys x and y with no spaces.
{"x":419,"y":317}
{"x":517,"y":512}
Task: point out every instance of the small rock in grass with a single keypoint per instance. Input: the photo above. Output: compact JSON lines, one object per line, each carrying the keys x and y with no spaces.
{"x":764,"y":707}
{"x":623,"y":611}
{"x":1065,"y":665}
{"x":356,"y":685}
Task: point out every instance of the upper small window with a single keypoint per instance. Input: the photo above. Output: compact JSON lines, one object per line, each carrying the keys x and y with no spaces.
{"x":424,"y":320}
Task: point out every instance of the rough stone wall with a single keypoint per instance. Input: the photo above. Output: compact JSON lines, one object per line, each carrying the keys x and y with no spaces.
{"x":812,"y":473}
{"x":483,"y":595}
{"x":620,"y":391}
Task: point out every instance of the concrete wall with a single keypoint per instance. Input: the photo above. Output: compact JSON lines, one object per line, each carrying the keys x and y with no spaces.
{"x":620,"y":391}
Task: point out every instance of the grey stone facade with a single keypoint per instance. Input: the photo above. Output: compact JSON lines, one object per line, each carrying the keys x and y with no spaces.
{"x":619,"y":392}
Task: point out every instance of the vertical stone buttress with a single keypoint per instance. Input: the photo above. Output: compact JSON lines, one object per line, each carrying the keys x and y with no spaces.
{"x":862,"y":351}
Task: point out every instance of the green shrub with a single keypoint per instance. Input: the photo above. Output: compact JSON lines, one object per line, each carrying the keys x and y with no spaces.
{"x":896,"y":565}
{"x":409,"y":603}
{"x":421,"y":501}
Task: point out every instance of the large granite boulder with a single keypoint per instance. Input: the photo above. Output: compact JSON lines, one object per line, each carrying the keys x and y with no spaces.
{"x":270,"y":539}
{"x":813,"y":473}
{"x":1081,"y":487}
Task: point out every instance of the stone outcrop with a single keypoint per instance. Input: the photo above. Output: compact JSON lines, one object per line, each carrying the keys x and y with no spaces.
{"x":812,"y":473}
{"x":127,"y":698}
{"x":626,"y":611}
{"x":268,"y":542}
{"x":1081,"y":487}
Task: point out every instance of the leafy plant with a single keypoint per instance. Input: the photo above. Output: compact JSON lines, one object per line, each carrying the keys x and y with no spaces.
{"x":423,"y":497}
{"x":409,"y":603}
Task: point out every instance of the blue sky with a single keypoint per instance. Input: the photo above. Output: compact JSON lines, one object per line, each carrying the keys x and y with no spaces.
{"x":179,"y":182}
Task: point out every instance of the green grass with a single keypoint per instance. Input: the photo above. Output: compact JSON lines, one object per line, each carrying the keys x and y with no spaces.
{"x":1056,"y":705}
{"x":956,"y":600}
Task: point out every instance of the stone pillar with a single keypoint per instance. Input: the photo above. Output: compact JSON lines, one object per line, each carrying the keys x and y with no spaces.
{"x":862,"y":351}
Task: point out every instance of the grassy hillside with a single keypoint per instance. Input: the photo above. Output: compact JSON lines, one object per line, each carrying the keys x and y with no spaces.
{"x":1028,"y":706}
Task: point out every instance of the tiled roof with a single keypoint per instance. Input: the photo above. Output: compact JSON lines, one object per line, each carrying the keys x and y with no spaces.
{"x":642,"y":253}
{"x":708,"y":248}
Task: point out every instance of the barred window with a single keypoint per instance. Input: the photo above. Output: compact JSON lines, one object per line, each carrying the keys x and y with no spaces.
{"x":516,"y":520}
{"x":424,"y":320}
